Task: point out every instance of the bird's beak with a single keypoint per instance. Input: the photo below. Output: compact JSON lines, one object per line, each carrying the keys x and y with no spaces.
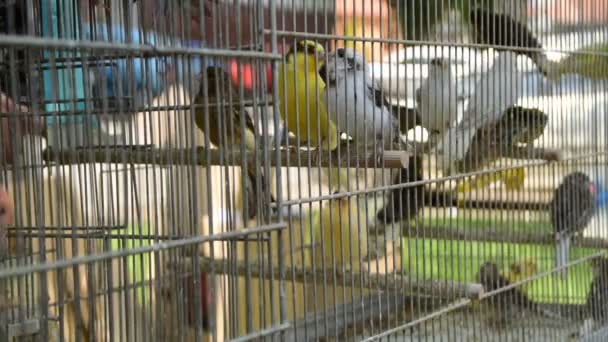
{"x":320,"y":56}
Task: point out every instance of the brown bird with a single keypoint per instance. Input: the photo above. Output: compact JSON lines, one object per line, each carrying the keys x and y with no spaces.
{"x":225,"y":128}
{"x":508,"y":304}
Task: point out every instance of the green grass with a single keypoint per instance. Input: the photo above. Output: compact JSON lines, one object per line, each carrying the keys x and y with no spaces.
{"x":460,"y":260}
{"x":476,"y":224}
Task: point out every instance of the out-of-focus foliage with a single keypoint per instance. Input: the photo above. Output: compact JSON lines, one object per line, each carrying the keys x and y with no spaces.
{"x":588,"y":63}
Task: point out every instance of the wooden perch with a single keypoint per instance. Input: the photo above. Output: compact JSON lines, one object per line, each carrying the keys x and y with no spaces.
{"x":385,"y":282}
{"x":495,"y":235}
{"x":205,"y":157}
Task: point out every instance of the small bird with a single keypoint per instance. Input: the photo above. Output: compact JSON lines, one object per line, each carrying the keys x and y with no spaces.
{"x":358,"y":107}
{"x":341,"y":245}
{"x":495,"y":92}
{"x":493,"y":126}
{"x":509,"y":304}
{"x":225,"y":127}
{"x":505,"y":306}
{"x":343,"y":233}
{"x":516,"y":130}
{"x":355,"y":102}
{"x":502,"y":30}
{"x":571,"y":209}
{"x":522,"y":269}
{"x":436,"y":98}
{"x":302,"y":96}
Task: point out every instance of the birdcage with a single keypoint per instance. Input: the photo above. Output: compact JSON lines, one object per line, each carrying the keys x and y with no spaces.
{"x":303,"y":170}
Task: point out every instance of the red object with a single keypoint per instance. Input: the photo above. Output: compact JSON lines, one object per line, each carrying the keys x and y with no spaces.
{"x":249,"y":75}
{"x":205,"y":299}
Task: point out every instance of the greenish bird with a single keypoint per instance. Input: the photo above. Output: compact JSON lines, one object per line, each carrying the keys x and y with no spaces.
{"x":225,"y":130}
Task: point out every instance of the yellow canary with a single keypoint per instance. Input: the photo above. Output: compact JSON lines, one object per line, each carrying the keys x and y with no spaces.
{"x":520,"y":270}
{"x":341,"y":240}
{"x":302,"y":96}
{"x":341,"y":243}
{"x":225,"y":120}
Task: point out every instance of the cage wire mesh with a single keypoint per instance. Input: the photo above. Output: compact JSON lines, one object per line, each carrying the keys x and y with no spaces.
{"x":303,"y":170}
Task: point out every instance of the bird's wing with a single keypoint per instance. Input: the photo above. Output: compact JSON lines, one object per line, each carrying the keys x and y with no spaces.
{"x":495,"y":92}
{"x":375,"y":92}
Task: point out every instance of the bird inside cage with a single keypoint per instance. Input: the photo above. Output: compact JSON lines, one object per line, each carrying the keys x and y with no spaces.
{"x":572,"y":207}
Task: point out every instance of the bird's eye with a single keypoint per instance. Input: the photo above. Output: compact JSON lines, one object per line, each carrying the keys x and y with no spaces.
{"x":341,"y":53}
{"x":2,"y":211}
{"x":351,"y":62}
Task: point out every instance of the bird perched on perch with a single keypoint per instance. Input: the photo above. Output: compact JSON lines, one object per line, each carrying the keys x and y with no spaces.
{"x":436,"y":99}
{"x":522,"y":269}
{"x":503,"y":139}
{"x":229,"y":125}
{"x":302,"y":96}
{"x":343,"y":233}
{"x":495,"y":92}
{"x":492,"y":127}
{"x":508,"y":304}
{"x":571,"y":209}
{"x":341,"y":247}
{"x":358,"y":108}
{"x":502,"y":30}
{"x":355,"y":102}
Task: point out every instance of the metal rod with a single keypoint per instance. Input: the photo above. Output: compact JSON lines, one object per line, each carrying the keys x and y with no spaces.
{"x":325,"y":36}
{"x":140,"y":50}
{"x":157,"y":247}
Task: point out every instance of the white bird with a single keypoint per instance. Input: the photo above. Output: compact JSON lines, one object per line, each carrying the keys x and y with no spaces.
{"x":358,"y":108}
{"x":495,"y":92}
{"x":436,"y":98}
{"x":355,"y":103}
